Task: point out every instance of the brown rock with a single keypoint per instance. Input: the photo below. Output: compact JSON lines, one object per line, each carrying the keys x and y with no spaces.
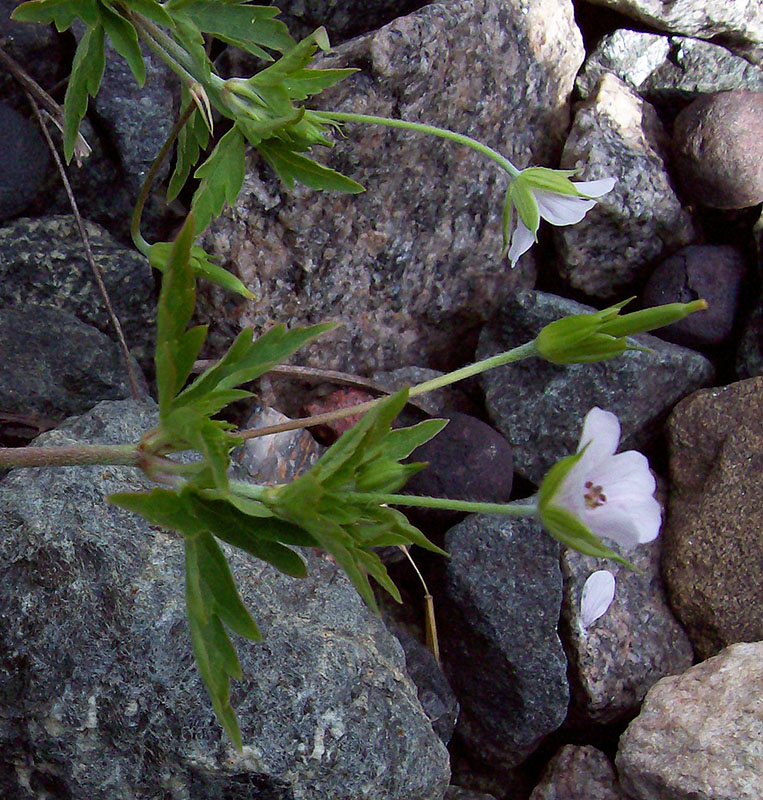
{"x":719,"y":149}
{"x":713,"y":549}
{"x":575,"y":773}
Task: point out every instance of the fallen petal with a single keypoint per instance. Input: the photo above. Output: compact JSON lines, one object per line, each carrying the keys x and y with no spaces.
{"x":598,"y":594}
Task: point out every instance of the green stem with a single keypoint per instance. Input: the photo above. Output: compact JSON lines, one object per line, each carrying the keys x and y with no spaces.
{"x":70,"y":456}
{"x":432,"y":130}
{"x":469,"y":506}
{"x":516,"y":354}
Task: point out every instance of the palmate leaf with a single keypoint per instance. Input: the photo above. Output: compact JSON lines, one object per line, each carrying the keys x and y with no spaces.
{"x":222,"y":176}
{"x":125,"y":40}
{"x":85,"y":78}
{"x":60,"y":12}
{"x":291,"y":167}
{"x":192,"y":139}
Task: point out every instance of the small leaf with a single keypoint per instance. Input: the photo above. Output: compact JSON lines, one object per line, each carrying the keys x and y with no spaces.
{"x":125,"y":41}
{"x":401,"y":442}
{"x":305,"y":82}
{"x":161,"y":507}
{"x":60,"y":12}
{"x":84,"y":80}
{"x":153,"y":11}
{"x":291,"y":167}
{"x":192,"y":139}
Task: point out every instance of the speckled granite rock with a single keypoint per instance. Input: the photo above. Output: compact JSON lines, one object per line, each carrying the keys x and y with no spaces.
{"x":718,"y":149}
{"x":540,"y":407}
{"x":616,"y":133}
{"x":500,"y":648}
{"x":23,"y":162}
{"x":412,"y":266}
{"x":738,"y":25}
{"x":42,"y":261}
{"x":99,"y":697}
{"x":712,"y":543}
{"x":698,"y":734}
{"x":626,"y":651}
{"x":53,"y":365}
{"x":666,"y":69}
{"x":578,"y":773}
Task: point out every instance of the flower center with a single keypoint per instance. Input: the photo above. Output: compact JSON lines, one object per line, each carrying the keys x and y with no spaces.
{"x":594,"y":495}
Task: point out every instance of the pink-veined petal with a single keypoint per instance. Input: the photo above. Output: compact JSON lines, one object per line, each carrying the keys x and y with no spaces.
{"x":521,"y":241}
{"x":601,"y":432}
{"x":595,"y":188}
{"x":598,"y":594}
{"x":561,"y":209}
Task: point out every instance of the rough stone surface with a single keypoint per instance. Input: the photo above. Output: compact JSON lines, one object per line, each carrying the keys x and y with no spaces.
{"x":617,"y":134}
{"x":698,"y":736}
{"x":500,"y":649}
{"x":719,"y":151}
{"x":712,"y":272}
{"x":712,"y":542}
{"x":540,"y":407}
{"x":100,"y":697}
{"x":738,"y":25}
{"x":43,"y":261}
{"x":52,"y":365}
{"x":749,"y":361}
{"x":666,"y":69}
{"x":626,"y":651}
{"x":23,"y":162}
{"x":457,"y":793}
{"x":467,"y":460}
{"x":412,"y":266}
{"x":578,"y":773}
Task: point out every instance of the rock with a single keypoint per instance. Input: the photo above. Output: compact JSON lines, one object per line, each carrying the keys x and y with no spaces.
{"x":737,"y":25}
{"x":500,"y":649}
{"x":23,"y":162}
{"x":540,"y":407}
{"x":278,"y":458}
{"x":712,"y":543}
{"x":617,"y":134}
{"x":96,"y":666}
{"x":665,"y":70}
{"x":411,"y":267}
{"x":626,"y":651}
{"x":719,"y":156}
{"x":457,"y":793}
{"x":437,"y":403}
{"x":749,"y":361}
{"x":698,"y":734}
{"x":575,"y":773}
{"x":52,"y":365}
{"x":339,"y":399}
{"x":467,"y":460}
{"x":42,"y":261}
{"x":712,"y":272}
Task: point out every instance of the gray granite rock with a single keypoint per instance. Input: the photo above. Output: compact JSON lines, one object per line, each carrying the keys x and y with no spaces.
{"x":578,"y":773}
{"x":99,"y":694}
{"x":712,"y":542}
{"x":738,"y":25}
{"x":412,"y":266}
{"x":698,"y":734}
{"x":500,"y":649}
{"x":718,"y":149}
{"x":626,"y":651}
{"x":43,"y":261}
{"x":712,"y":272}
{"x":666,"y":69}
{"x":457,"y":793}
{"x":617,"y":134}
{"x":52,"y":365}
{"x":540,"y":407}
{"x":24,"y":162}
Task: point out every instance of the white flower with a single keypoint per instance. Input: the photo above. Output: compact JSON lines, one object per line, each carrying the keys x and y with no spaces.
{"x":612,"y":495}
{"x":549,"y":194}
{"x":598,"y":594}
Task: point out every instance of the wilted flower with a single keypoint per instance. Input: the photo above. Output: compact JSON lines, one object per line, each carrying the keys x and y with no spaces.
{"x":539,"y":192}
{"x":598,"y":594}
{"x":597,"y":493}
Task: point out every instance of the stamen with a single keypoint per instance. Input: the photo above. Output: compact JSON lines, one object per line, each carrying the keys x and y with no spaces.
{"x":594,"y":497}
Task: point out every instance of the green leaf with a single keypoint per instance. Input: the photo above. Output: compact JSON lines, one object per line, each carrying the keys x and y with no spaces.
{"x":247,"y":27}
{"x":60,"y":12}
{"x":222,"y":176}
{"x":161,"y":507}
{"x":305,"y":82}
{"x":153,"y":11}
{"x":85,"y":78}
{"x":291,"y":167}
{"x":192,"y":139}
{"x":187,"y":34}
{"x":401,"y":442}
{"x":125,"y":40}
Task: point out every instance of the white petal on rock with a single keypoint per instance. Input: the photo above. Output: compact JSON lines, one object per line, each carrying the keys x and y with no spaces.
{"x":598,"y":594}
{"x":521,"y":241}
{"x":595,"y":188}
{"x":561,"y":209}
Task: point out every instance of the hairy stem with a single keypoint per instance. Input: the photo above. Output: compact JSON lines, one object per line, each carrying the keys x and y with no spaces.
{"x":70,"y":456}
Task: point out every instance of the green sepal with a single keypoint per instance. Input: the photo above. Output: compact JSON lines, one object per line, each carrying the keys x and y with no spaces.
{"x":84,"y":81}
{"x":125,"y":40}
{"x":524,"y":202}
{"x":291,"y":167}
{"x":555,"y":477}
{"x":551,"y":180}
{"x":650,"y":318}
{"x":507,"y":219}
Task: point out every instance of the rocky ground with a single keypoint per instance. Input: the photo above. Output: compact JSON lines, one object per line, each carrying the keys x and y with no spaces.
{"x":660,"y":698}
